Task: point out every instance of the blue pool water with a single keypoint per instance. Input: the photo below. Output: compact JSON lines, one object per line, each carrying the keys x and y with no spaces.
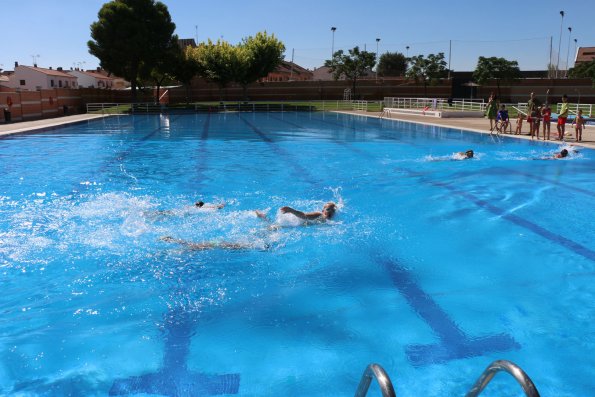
{"x":432,"y":268}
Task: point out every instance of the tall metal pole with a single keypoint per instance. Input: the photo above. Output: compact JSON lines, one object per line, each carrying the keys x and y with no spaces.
{"x":407,"y":48}
{"x":292,"y":54}
{"x":549,"y":64}
{"x":449,"y":54}
{"x":377,"y":41}
{"x":575,"y":48}
{"x":568,"y":50}
{"x":559,"y":44}
{"x":196,"y":31}
{"x":333,"y":44}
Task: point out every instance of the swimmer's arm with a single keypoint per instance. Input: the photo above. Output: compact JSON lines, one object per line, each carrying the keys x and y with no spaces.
{"x":262,"y":216}
{"x":214,"y":206}
{"x":302,"y":215}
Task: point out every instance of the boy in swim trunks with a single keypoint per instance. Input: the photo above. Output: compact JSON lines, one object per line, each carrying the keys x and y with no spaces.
{"x":546,"y":113}
{"x":562,"y":117}
{"x":579,"y":123}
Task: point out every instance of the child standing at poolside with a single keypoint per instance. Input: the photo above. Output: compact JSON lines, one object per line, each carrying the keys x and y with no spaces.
{"x":519,"y":124}
{"x":562,"y":118}
{"x":546,"y":113}
{"x":578,"y":123}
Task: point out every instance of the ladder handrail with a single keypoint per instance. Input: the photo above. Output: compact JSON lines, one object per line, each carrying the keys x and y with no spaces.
{"x":510,"y":367}
{"x":375,"y":370}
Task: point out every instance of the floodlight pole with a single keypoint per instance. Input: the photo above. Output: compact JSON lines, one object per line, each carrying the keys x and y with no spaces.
{"x":559,"y":44}
{"x":568,"y":50}
{"x":333,"y":44}
{"x":377,"y":41}
{"x":449,"y":55}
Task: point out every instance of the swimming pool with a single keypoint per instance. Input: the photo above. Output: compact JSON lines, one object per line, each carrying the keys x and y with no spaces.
{"x":432,"y":268}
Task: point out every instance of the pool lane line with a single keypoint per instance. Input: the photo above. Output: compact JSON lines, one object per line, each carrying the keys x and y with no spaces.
{"x":288,"y":157}
{"x":454,"y":343}
{"x":174,"y":378}
{"x":517,"y":220}
{"x":541,"y":179}
{"x":203,"y":151}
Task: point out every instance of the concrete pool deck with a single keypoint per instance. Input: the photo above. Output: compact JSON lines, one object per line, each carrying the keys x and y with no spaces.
{"x":479,"y":125}
{"x":25,"y":126}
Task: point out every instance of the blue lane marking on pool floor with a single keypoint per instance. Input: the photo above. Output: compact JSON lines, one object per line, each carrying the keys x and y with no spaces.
{"x":519,"y":221}
{"x":299,"y":171}
{"x":454,"y":343}
{"x":174,"y":379}
{"x":202,"y":151}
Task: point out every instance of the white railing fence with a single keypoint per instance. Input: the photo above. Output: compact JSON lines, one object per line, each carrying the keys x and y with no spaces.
{"x":435,"y":104}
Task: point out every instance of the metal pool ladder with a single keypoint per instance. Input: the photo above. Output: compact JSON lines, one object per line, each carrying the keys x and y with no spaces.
{"x":387,"y":389}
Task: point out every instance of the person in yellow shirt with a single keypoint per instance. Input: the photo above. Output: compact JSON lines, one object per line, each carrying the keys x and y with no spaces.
{"x":562,"y":117}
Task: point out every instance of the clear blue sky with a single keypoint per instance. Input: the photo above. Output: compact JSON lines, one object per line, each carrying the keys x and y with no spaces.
{"x":58,"y":31}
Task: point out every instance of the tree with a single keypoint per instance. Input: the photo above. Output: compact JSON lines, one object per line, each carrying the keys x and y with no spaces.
{"x":165,"y":68}
{"x":351,"y":66}
{"x":497,"y":69}
{"x":584,"y":69}
{"x":427,"y":70}
{"x":258,"y":56}
{"x":218,"y":62}
{"x":130,"y":36}
{"x":392,"y":64}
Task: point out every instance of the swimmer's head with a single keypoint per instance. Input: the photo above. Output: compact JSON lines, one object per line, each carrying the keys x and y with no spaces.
{"x":199,"y":204}
{"x":469,"y":154}
{"x":329,"y":209}
{"x":564,"y":153}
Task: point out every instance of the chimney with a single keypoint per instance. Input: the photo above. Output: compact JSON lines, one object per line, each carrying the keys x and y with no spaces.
{"x":16,"y":64}
{"x":99,"y":68}
{"x":50,"y":67}
{"x":34,"y":65}
{"x":59,"y":68}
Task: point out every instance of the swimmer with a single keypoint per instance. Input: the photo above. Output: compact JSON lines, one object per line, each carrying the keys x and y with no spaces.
{"x":327,"y":212}
{"x":562,"y":154}
{"x":189,"y":209}
{"x":210,"y":245}
{"x":466,"y":155}
{"x":201,"y":204}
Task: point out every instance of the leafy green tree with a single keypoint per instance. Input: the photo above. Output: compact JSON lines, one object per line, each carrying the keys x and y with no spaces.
{"x":165,"y":68}
{"x":585,"y":69}
{"x":218,"y":62}
{"x":392,"y":64}
{"x":498,"y":69}
{"x":427,"y":70}
{"x":351,"y":66}
{"x":185,"y":70}
{"x":130,"y":36}
{"x":258,"y":56}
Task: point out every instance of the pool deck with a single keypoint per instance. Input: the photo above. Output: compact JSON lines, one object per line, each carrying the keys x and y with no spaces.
{"x":481,"y":125}
{"x":25,"y":126}
{"x":468,"y":124}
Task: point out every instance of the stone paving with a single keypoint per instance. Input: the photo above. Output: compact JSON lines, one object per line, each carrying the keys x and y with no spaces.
{"x":32,"y":126}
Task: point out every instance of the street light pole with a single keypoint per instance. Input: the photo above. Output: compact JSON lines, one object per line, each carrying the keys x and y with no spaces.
{"x":377,"y":41}
{"x":333,"y":44}
{"x":559,"y":45}
{"x":568,"y":50}
{"x":407,"y":54}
